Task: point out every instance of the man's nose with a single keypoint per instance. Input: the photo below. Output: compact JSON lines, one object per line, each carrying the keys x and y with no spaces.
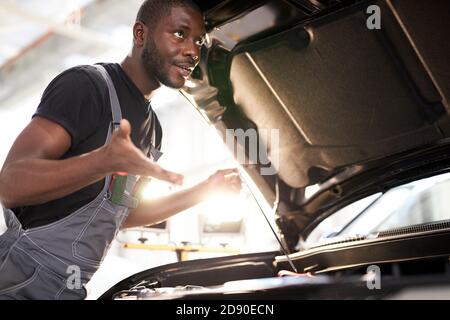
{"x":192,"y":50}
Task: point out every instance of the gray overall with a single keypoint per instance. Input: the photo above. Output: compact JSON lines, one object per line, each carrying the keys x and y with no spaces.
{"x":56,"y":260}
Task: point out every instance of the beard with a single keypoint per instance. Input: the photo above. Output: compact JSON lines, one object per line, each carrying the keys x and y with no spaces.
{"x":154,"y":65}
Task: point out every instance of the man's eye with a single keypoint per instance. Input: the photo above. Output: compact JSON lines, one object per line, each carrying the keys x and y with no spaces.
{"x":179,"y":34}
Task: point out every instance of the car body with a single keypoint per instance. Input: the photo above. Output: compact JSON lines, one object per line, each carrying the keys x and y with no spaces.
{"x":361,"y":107}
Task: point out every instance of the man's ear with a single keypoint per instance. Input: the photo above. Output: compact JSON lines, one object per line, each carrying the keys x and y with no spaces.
{"x":140,"y":31}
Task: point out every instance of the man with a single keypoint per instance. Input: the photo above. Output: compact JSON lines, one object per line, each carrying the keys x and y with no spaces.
{"x":67,"y":190}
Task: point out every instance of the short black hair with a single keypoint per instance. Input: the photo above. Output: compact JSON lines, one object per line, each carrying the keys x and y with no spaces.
{"x":152,"y":10}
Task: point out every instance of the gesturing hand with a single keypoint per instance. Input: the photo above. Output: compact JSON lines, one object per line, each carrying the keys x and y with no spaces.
{"x":124,"y":156}
{"x":226,"y":181}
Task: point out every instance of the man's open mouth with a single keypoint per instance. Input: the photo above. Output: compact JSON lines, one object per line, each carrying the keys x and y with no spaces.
{"x":184,"y":70}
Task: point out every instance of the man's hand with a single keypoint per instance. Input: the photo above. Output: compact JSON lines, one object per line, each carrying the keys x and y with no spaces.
{"x":226,"y":181}
{"x":124,"y":156}
{"x":150,"y":212}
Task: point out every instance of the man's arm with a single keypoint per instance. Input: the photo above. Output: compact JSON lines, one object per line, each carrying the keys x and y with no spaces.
{"x":32,"y":173}
{"x":156,"y":210}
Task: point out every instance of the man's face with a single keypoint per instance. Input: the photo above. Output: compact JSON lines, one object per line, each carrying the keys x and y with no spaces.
{"x":173,"y":48}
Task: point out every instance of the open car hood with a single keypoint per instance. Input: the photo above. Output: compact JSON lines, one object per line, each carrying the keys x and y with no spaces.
{"x":357,"y":109}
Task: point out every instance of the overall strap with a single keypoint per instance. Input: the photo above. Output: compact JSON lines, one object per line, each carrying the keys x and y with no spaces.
{"x":115,"y":105}
{"x":126,"y":199}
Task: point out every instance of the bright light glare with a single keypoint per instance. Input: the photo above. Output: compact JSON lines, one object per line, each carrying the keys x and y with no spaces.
{"x":156,"y":189}
{"x":222,"y":208}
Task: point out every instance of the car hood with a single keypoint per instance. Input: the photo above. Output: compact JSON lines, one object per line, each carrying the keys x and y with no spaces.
{"x":342,"y":107}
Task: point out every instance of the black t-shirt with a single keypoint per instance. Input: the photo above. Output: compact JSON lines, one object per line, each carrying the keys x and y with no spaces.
{"x":78,"y":100}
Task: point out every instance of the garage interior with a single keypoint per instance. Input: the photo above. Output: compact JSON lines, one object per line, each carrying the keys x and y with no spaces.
{"x":41,"y":38}
{"x":363,"y":119}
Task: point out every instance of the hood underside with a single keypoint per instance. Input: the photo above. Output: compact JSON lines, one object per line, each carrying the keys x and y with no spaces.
{"x":348,"y":101}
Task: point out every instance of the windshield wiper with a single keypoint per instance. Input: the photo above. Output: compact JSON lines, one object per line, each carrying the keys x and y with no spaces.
{"x":375,"y":201}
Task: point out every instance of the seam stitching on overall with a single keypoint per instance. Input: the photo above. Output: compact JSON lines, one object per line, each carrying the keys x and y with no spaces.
{"x":22,"y":284}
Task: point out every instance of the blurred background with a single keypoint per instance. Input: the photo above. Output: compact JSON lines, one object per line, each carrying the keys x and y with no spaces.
{"x":41,"y":38}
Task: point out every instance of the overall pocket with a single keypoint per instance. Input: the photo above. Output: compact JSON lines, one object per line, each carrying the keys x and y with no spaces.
{"x":23,"y":278}
{"x":42,"y":284}
{"x":15,"y":269}
{"x":15,"y":273}
{"x":92,"y":243}
{"x":12,"y":285}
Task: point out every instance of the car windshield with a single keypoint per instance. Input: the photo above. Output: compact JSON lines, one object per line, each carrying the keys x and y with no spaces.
{"x":422,"y":201}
